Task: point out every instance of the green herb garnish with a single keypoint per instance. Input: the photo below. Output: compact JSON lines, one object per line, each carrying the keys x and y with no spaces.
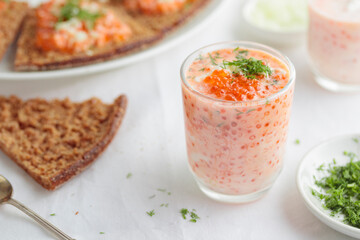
{"x":321,"y":167}
{"x":297,"y":141}
{"x":72,"y":9}
{"x":101,"y":232}
{"x":341,"y":187}
{"x":151,"y":213}
{"x":242,"y":54}
{"x":53,"y":214}
{"x":213,"y":61}
{"x":184,"y":212}
{"x":220,"y":124}
{"x":356,"y":140}
{"x":249,"y":67}
{"x":129,"y":175}
{"x":194,"y":217}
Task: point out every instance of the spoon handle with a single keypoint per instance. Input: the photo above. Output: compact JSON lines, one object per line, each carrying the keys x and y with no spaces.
{"x":40,"y":220}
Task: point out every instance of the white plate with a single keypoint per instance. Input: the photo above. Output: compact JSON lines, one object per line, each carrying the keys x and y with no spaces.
{"x":195,"y":24}
{"x":324,"y":154}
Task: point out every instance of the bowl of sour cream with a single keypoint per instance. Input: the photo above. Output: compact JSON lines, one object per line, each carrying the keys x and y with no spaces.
{"x":277,"y":21}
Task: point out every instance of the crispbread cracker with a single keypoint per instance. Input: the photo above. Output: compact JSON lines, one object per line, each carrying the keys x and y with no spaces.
{"x":29,"y":57}
{"x":146,"y":32}
{"x":10,"y":21}
{"x":166,"y":23}
{"x":55,"y":140}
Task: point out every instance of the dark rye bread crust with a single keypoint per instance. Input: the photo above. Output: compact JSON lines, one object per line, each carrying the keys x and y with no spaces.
{"x":90,"y":156}
{"x":168,"y":22}
{"x":79,"y":165}
{"x":147,"y":30}
{"x":11,"y":19}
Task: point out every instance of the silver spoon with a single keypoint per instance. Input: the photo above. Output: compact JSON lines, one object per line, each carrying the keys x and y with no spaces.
{"x":5,"y":197}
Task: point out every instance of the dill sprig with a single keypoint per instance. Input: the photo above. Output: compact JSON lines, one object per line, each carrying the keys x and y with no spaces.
{"x":72,"y":9}
{"x":249,"y":67}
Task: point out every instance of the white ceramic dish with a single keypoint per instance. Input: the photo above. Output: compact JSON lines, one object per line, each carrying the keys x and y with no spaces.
{"x":288,"y":38}
{"x":324,"y":154}
{"x":196,"y":23}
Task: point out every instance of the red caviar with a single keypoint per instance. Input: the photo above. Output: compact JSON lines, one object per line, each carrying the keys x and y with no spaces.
{"x":77,"y":36}
{"x":233,"y":87}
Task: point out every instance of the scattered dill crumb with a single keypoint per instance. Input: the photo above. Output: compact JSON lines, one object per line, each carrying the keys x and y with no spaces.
{"x":151,"y":213}
{"x":129,"y":175}
{"x":297,"y":141}
{"x":356,"y":140}
{"x":152,"y":196}
{"x":161,"y":189}
{"x":193,"y":216}
{"x":53,"y":214}
{"x":101,"y":232}
{"x":184,"y":212}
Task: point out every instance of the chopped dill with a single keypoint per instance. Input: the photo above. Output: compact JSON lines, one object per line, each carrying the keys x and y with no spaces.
{"x":341,"y":190}
{"x":151,"y":213}
{"x":250,"y":68}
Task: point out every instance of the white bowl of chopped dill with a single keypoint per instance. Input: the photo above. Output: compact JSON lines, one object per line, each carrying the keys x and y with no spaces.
{"x":328,"y":179}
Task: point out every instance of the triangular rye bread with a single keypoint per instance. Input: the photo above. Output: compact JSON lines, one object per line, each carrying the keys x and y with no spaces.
{"x":55,"y":140}
{"x":147,"y":30}
{"x":165,"y":23}
{"x":10,"y":22}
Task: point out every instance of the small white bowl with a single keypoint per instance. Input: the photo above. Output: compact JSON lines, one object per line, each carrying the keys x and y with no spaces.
{"x":324,"y":154}
{"x":286,"y":37}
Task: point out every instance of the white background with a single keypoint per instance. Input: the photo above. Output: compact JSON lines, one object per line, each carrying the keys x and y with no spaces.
{"x":151,"y":145}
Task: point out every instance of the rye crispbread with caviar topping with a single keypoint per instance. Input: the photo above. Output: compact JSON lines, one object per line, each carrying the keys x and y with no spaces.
{"x":55,"y":140}
{"x":147,"y":30}
{"x":166,"y":23}
{"x":11,"y":17}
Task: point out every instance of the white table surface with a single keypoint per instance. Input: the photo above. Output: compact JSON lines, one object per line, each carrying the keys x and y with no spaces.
{"x":151,"y":145}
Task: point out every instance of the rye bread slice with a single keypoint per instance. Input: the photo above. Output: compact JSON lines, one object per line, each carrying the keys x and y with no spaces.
{"x":147,"y":30}
{"x":30,"y":58}
{"x":10,"y":22}
{"x":55,"y":140}
{"x":166,"y":23}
